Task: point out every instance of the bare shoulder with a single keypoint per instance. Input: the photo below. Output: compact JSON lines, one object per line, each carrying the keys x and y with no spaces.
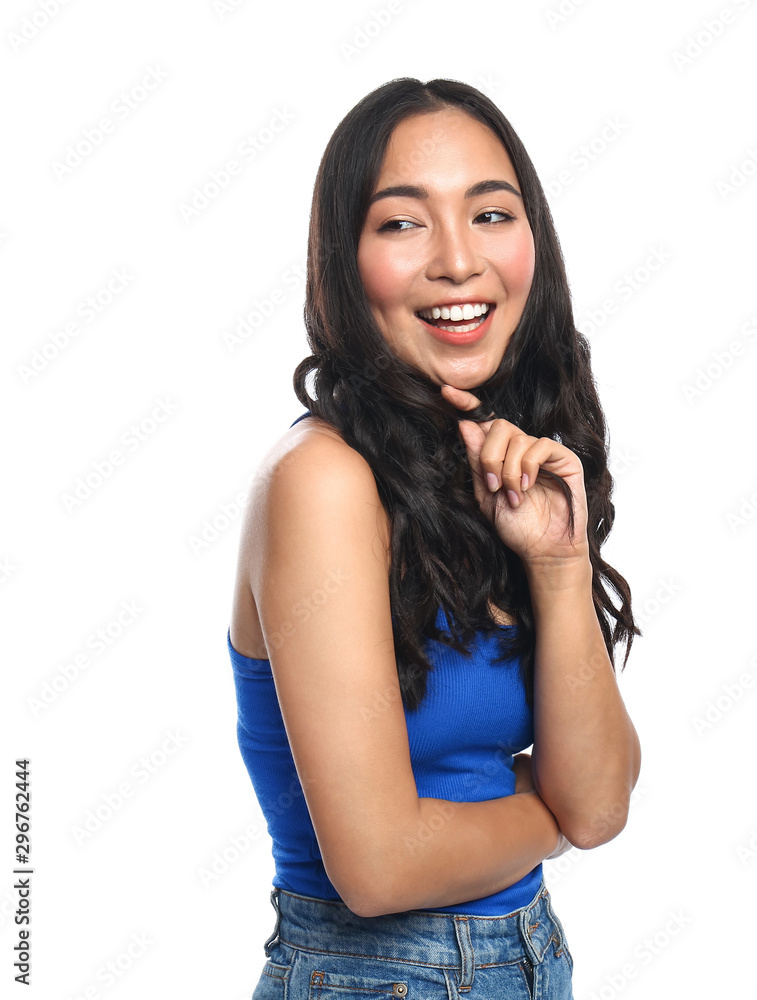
{"x":312,"y":437}
{"x":308,"y":488}
{"x":314,"y":457}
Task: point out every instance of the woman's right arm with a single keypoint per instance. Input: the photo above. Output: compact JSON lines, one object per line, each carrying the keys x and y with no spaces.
{"x":318,"y":571}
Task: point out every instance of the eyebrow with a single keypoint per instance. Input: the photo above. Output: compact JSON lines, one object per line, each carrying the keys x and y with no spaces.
{"x":413,"y":191}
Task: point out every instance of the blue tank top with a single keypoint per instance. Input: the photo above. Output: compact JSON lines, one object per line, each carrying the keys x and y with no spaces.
{"x":462,"y":739}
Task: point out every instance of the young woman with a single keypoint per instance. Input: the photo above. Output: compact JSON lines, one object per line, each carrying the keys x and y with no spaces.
{"x":420,"y":592}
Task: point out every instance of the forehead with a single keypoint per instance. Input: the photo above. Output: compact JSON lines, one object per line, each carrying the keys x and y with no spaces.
{"x":442,"y":146}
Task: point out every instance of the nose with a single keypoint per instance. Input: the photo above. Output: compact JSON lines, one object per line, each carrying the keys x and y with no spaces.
{"x":453,"y":254}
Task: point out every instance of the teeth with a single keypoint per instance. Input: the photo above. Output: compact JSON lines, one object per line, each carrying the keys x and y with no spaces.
{"x":468,"y":311}
{"x":462,"y":329}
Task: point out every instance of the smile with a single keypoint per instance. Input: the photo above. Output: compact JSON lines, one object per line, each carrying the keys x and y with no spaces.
{"x":456,"y":330}
{"x":466,"y":310}
{"x":462,"y":328}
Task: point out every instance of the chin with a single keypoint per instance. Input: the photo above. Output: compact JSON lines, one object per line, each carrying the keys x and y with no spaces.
{"x":471,"y":380}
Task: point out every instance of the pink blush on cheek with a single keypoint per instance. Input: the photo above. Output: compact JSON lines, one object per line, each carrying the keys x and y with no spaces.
{"x":385,"y":282}
{"x":517,"y":265}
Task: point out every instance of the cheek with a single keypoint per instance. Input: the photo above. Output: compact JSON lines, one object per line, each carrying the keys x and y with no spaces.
{"x":518,"y":261}
{"x":386,"y":275}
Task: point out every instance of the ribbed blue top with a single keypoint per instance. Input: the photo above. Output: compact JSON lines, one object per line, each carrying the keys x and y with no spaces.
{"x":462,"y":739}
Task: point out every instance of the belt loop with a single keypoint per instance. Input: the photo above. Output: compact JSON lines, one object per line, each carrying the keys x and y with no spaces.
{"x":467,"y":958}
{"x":528,"y":922}
{"x":267,"y":947}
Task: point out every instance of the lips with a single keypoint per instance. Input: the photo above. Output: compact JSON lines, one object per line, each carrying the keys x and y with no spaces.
{"x":458,"y":331}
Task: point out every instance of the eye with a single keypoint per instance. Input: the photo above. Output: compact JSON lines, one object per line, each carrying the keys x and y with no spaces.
{"x":389,"y":226}
{"x":489,"y":221}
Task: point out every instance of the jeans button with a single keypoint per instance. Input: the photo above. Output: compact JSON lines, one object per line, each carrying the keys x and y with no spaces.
{"x":399,"y":990}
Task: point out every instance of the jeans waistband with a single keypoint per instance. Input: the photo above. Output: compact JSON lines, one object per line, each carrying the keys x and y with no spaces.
{"x":455,"y":940}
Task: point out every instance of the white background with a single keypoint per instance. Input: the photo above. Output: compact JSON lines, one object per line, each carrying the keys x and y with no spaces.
{"x":665,"y":909}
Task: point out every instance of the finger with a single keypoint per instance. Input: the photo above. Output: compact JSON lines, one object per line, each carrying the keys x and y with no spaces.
{"x":501,"y":456}
{"x":460,"y":398}
{"x":549,"y":454}
{"x":514,"y":469}
{"x":473,"y":438}
{"x":524,"y":456}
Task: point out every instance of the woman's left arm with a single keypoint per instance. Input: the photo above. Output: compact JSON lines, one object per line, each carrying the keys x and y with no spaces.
{"x":586,"y":755}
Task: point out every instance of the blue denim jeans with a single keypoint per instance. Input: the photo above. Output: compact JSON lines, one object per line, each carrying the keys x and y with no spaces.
{"x":320,"y":950}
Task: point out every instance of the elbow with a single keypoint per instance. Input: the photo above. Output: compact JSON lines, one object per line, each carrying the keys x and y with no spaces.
{"x":364,"y":900}
{"x":600,"y":819}
{"x":375,"y":869}
{"x":588,"y":832}
{"x":353,"y":892}
{"x":367,"y":887}
{"x":588,"y":839}
{"x":365,"y":905}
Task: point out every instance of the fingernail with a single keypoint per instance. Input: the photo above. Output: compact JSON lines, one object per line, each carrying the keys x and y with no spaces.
{"x":491,"y":482}
{"x":524,"y":481}
{"x":512,"y":496}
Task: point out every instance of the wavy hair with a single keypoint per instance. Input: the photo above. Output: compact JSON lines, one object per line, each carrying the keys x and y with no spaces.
{"x":444,"y":551}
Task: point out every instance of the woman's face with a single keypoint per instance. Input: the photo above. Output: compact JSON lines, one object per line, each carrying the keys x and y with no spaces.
{"x":447,"y":228}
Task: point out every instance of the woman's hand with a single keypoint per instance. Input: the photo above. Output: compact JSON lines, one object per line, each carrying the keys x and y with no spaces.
{"x":529,"y":515}
{"x":524,"y":783}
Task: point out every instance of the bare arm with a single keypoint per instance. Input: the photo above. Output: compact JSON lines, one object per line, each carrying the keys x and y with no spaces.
{"x":586,"y":757}
{"x":319,"y":577}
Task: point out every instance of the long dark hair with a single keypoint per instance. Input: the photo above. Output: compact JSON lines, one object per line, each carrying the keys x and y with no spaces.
{"x":444,"y":551}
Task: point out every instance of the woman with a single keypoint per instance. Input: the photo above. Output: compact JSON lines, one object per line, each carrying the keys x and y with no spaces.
{"x":420,"y":591}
